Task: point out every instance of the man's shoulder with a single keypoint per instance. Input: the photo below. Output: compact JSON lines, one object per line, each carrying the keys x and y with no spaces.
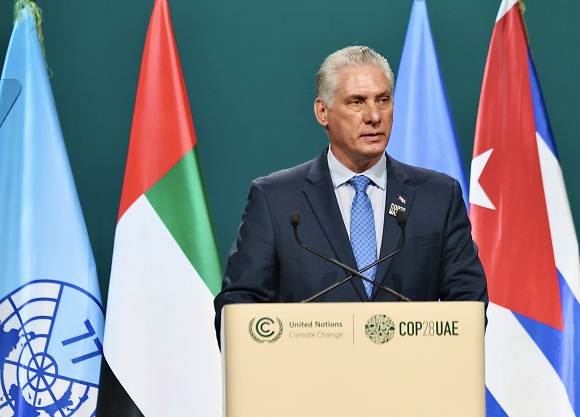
{"x":298,"y":172}
{"x":295,"y":176}
{"x":414,"y":175}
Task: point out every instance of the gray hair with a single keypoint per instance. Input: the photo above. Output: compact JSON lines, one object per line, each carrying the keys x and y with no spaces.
{"x":351,"y":56}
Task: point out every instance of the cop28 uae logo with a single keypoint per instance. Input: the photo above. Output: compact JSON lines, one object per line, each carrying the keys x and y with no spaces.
{"x":380,"y":329}
{"x":265,"y":329}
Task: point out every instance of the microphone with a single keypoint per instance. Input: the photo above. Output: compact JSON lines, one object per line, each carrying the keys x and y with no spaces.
{"x":401,"y":221}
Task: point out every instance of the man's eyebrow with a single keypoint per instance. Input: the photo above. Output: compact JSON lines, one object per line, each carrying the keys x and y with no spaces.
{"x":363,"y":97}
{"x":357,"y":96}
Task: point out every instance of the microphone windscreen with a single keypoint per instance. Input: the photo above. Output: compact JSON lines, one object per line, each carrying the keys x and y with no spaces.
{"x":401,"y":217}
{"x":294,"y":218}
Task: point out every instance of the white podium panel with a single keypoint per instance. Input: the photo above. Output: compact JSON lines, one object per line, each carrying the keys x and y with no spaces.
{"x":419,"y":359}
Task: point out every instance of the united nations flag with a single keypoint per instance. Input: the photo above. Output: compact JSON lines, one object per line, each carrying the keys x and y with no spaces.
{"x":51,"y":318}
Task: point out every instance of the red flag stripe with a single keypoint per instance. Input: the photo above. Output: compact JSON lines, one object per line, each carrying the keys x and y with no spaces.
{"x":154,"y":147}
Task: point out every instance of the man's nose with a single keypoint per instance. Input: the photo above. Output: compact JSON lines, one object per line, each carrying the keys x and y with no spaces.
{"x":372,"y":114}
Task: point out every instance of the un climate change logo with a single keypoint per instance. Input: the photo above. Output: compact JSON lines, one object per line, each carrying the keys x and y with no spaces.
{"x":265,"y":329}
{"x":50,"y":353}
{"x":380,"y":329}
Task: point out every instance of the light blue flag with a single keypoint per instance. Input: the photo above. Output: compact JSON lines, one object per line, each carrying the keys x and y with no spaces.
{"x":423,"y":132}
{"x":51,"y":318}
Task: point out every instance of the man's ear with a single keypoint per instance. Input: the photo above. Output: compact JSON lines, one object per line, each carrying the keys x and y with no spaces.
{"x":321,"y":112}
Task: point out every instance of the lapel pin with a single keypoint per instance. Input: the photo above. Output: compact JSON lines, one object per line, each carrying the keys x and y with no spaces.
{"x":395,"y":208}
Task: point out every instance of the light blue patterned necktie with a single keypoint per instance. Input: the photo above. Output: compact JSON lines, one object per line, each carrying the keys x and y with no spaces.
{"x":363,"y":238}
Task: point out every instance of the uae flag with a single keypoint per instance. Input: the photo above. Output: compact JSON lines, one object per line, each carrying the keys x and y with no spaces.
{"x":523,"y":225}
{"x":161,"y":354}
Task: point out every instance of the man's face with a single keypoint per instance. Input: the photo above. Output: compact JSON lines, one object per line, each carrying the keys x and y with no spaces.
{"x":359,"y":123}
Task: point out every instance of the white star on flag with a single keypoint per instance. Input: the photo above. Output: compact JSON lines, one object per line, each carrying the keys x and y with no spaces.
{"x":477,"y":194}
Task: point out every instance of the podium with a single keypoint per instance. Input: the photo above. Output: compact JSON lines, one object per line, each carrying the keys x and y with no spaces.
{"x":354,"y":359}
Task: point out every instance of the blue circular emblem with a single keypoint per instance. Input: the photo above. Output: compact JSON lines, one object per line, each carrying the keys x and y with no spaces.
{"x":50,"y":350}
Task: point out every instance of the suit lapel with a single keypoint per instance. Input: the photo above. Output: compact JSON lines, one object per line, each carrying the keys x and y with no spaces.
{"x":323,"y":202}
{"x":398,"y":195}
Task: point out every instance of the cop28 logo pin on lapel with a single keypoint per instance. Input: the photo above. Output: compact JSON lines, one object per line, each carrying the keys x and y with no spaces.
{"x":265,"y":329}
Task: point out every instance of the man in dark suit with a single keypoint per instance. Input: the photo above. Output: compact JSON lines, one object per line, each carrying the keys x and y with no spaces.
{"x":354,"y":103}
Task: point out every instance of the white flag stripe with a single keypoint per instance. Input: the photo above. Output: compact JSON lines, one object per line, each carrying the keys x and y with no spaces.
{"x":560,"y":218}
{"x":162,"y":310}
{"x":514,"y":360}
{"x":506,"y":5}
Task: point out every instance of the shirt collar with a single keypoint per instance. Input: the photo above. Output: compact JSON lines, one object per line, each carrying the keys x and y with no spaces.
{"x":341,"y":174}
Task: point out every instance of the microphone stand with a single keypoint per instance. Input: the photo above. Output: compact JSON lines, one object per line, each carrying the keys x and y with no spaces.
{"x":295,"y":220}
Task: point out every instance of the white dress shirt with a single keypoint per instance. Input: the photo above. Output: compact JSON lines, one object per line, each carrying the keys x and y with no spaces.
{"x":377,"y":191}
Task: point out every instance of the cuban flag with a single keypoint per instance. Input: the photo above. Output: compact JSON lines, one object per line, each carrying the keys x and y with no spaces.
{"x":523,"y":225}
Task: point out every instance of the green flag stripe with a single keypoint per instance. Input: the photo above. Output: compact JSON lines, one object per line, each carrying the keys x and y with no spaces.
{"x":180,"y":201}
